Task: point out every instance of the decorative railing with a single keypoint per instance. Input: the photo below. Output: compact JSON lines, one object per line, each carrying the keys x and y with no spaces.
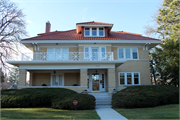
{"x":70,"y":56}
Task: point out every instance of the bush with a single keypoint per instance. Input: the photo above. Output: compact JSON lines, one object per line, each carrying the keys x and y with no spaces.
{"x":41,"y":97}
{"x":145,"y":96}
{"x":84,"y":102}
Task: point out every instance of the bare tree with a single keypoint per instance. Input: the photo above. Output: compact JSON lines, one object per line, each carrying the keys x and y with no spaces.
{"x":12,"y":30}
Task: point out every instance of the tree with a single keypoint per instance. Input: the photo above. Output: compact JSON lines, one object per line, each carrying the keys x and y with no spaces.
{"x":12,"y":30}
{"x":166,"y":55}
{"x":14,"y":75}
{"x":2,"y":76}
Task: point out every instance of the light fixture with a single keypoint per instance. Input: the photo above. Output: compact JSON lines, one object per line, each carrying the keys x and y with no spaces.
{"x":56,"y":43}
{"x":54,"y":72}
{"x":94,"y":43}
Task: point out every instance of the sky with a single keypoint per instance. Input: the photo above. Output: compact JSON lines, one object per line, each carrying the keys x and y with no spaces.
{"x":126,"y":15}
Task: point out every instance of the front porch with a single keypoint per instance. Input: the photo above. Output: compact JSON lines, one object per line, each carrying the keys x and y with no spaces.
{"x":92,"y":80}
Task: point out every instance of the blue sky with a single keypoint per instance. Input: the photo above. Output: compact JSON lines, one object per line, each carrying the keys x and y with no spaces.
{"x":126,"y":15}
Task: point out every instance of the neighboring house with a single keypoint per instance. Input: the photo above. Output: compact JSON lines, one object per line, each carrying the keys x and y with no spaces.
{"x":90,"y":57}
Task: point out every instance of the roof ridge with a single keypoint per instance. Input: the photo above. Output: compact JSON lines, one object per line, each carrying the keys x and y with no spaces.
{"x":127,"y":32}
{"x":54,"y":32}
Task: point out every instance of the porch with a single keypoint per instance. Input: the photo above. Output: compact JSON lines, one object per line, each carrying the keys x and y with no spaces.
{"x":98,"y":80}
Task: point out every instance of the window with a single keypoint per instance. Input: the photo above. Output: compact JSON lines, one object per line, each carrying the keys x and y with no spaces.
{"x":134,"y":53}
{"x":94,"y":31}
{"x":129,"y":78}
{"x":121,"y":54}
{"x":101,"y":31}
{"x":136,"y":78}
{"x":87,"y":31}
{"x":57,"y":54}
{"x":103,"y":52}
{"x":122,"y":79}
{"x":86,"y":52}
{"x":128,"y":53}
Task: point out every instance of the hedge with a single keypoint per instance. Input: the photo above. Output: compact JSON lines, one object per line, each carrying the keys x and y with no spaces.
{"x":145,"y":96}
{"x":43,"y":97}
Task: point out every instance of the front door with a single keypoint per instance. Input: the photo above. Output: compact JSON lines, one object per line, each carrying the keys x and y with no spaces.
{"x":96,"y":81}
{"x":95,"y":53}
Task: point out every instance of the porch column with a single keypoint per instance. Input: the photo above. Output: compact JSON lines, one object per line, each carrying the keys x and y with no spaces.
{"x":22,"y":77}
{"x":111,"y":79}
{"x":83,"y":77}
{"x":31,"y":78}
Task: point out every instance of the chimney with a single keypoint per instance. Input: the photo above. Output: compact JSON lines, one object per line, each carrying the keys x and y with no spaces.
{"x":48,"y":26}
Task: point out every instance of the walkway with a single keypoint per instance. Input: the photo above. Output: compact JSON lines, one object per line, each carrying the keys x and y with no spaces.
{"x":103,"y":107}
{"x":105,"y":112}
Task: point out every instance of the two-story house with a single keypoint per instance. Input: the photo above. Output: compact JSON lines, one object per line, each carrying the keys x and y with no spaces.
{"x":90,"y":57}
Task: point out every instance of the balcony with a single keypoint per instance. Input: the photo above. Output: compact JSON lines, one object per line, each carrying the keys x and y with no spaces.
{"x":69,"y":56}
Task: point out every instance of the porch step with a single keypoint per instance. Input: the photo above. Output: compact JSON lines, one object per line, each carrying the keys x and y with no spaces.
{"x":102,"y":98}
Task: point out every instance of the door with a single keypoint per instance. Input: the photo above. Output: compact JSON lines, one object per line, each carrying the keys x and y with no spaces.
{"x":57,"y":53}
{"x":57,"y":80}
{"x":96,"y":81}
{"x":95,"y":53}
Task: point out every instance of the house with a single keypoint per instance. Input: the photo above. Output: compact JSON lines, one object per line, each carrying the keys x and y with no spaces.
{"x":91,"y":57}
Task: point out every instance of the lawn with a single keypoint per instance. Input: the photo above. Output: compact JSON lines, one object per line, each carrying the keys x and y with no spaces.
{"x":47,"y":113}
{"x":160,"y":112}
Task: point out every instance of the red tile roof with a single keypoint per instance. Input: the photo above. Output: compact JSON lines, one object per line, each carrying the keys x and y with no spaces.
{"x":72,"y":35}
{"x":94,"y":23}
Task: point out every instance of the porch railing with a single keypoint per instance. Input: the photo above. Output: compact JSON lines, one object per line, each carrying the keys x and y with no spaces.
{"x":69,"y":56}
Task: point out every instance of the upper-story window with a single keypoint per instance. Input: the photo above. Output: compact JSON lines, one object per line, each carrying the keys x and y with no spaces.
{"x":94,"y":32}
{"x":128,"y":53}
{"x":87,"y":32}
{"x":101,"y":31}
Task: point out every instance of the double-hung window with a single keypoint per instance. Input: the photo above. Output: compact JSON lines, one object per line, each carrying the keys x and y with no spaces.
{"x":101,"y":31}
{"x":128,"y":53}
{"x":87,"y":32}
{"x":134,"y":53}
{"x":103,"y":52}
{"x":94,"y":31}
{"x":121,"y":53}
{"x":129,"y":78}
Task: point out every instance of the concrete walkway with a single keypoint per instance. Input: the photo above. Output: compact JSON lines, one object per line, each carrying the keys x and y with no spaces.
{"x":105,"y":112}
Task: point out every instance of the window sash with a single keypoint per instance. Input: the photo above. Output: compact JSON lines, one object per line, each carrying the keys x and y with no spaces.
{"x":134,"y":53}
{"x":121,"y":53}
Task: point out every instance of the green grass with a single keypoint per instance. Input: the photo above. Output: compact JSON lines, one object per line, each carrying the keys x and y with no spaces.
{"x":160,"y":112}
{"x":47,"y":113}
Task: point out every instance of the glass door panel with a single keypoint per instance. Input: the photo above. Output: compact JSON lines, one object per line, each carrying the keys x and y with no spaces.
{"x":60,"y":80}
{"x":95,"y":82}
{"x":94,"y":53}
{"x":58,"y":54}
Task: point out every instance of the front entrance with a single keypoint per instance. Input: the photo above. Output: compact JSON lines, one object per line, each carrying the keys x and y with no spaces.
{"x":96,"y":81}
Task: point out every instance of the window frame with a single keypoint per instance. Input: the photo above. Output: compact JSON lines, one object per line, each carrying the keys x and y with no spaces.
{"x":124,"y":53}
{"x":132,"y":79}
{"x":97,"y":32}
{"x":61,"y":51}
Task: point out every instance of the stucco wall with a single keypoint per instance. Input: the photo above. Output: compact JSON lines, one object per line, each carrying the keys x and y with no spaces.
{"x":41,"y":78}
{"x":71,"y":78}
{"x":136,"y":66}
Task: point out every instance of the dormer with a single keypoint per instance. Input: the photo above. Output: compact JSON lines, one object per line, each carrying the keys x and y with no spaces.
{"x":94,"y":29}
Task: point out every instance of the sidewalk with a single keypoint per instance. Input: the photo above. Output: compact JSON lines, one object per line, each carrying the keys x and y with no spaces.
{"x":105,"y":112}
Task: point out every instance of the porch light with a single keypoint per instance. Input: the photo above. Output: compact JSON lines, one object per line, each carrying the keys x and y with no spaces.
{"x":54,"y":72}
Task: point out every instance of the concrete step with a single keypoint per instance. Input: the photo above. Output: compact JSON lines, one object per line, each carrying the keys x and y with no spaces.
{"x":102,"y":98}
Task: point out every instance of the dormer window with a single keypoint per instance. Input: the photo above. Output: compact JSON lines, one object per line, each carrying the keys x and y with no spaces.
{"x":101,"y":31}
{"x":94,"y":32}
{"x":87,"y":31}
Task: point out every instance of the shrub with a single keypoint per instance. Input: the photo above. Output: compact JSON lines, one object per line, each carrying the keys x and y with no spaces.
{"x":84,"y":102}
{"x":145,"y":96}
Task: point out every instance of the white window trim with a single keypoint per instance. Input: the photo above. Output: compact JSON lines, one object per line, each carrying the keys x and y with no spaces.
{"x":99,"y":52}
{"x":125,"y":78}
{"x":56,"y":78}
{"x":124,"y":52}
{"x":97,"y":30}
